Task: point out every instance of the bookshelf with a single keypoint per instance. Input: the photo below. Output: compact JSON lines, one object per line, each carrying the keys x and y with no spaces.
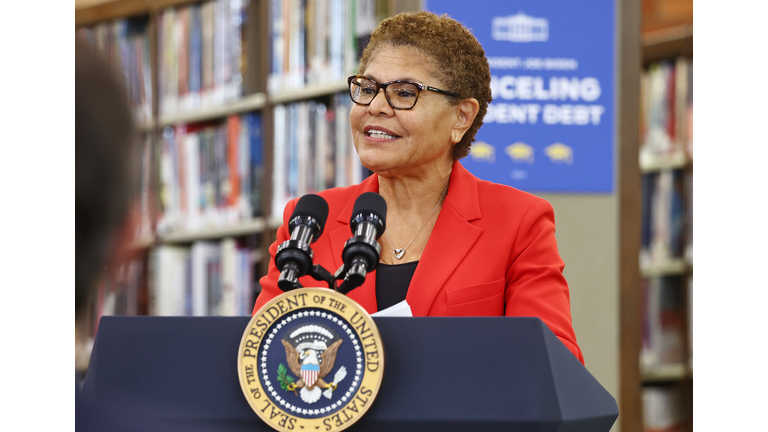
{"x":656,"y":354}
{"x":180,"y":107}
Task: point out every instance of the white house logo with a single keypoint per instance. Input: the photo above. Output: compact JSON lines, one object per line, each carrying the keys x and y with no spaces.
{"x":311,"y":359}
{"x":520,"y":28}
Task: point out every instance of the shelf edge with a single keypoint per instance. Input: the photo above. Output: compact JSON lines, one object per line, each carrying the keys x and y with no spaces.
{"x":673,"y":267}
{"x":254,"y":226}
{"x":666,"y":372}
{"x":667,"y":35}
{"x":248,"y":103}
{"x":308,"y":92}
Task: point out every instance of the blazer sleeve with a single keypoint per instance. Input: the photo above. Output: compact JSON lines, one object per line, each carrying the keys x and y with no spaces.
{"x":269,"y":288}
{"x":535,"y":282}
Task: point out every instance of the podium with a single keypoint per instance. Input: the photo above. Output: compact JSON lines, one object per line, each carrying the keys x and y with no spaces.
{"x":447,"y":374}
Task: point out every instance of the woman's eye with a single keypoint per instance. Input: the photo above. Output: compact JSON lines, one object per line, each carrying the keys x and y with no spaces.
{"x":406,"y":94}
{"x":368,"y":90}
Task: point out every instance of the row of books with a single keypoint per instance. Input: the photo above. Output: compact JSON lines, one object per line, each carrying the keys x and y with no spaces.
{"x":666,"y":118}
{"x":206,"y":279}
{"x":664,"y":320}
{"x":201,"y":52}
{"x":317,"y":41}
{"x":667,"y":216}
{"x":663,"y":410}
{"x":313,"y":150}
{"x":125,"y":44}
{"x":210,"y":174}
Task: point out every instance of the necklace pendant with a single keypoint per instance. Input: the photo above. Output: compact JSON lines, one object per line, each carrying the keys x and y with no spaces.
{"x":398,"y":253}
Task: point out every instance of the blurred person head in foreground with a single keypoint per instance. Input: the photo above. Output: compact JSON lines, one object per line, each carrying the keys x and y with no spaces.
{"x":105,"y":180}
{"x":105,"y":171}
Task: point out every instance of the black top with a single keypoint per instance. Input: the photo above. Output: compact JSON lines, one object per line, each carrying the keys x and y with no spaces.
{"x":392,"y":281}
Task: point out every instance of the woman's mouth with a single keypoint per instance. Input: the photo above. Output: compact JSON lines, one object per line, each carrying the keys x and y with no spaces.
{"x":381,"y":135}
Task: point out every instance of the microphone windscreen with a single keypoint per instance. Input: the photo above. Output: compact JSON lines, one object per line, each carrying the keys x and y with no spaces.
{"x":370,"y":202}
{"x":314,"y":206}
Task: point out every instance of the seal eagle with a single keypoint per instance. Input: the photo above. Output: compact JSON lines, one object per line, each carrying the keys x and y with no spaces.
{"x":312,"y":370}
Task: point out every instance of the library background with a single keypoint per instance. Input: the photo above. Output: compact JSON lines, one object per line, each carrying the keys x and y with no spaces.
{"x":254,"y":93}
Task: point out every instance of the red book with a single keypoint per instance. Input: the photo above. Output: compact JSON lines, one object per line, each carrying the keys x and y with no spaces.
{"x":671,"y":93}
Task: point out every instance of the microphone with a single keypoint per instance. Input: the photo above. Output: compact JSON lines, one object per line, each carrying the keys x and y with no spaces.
{"x":361,"y":252}
{"x":294,"y":256}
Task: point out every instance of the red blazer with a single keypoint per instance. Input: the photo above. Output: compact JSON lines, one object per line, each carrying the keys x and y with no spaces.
{"x":492,"y":252}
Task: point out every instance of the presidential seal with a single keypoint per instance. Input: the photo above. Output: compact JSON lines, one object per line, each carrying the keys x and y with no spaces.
{"x":311,"y":359}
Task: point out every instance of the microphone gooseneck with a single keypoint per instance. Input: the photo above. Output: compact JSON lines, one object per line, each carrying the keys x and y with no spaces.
{"x":294,"y":256}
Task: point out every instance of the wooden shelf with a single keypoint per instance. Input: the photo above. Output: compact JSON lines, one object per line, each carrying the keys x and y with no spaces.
{"x":109,"y":10}
{"x":247,"y":103}
{"x":309,"y":92}
{"x":653,"y":163}
{"x":673,"y":267}
{"x":255,"y":226}
{"x":668,"y":43}
{"x":666,"y":373}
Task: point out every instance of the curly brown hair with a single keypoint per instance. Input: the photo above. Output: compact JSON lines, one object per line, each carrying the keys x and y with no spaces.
{"x":458,"y":57}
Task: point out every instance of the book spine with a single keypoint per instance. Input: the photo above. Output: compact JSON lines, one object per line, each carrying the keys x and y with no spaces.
{"x":207,"y":24}
{"x":236,"y":26}
{"x":233,"y":145}
{"x":275,"y":31}
{"x":182,"y":46}
{"x":663,"y":410}
{"x":243,"y":169}
{"x":172,"y":63}
{"x":256,"y":165}
{"x":195,"y":56}
{"x":278,"y":178}
{"x":229,"y":285}
{"x":321,"y":137}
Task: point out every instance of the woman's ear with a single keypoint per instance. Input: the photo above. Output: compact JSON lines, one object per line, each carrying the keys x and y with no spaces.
{"x":465,"y":115}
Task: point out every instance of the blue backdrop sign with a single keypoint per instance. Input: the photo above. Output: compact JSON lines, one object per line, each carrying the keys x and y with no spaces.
{"x":550,"y":127}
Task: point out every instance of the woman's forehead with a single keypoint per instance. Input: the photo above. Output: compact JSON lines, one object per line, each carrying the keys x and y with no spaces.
{"x":401,"y":63}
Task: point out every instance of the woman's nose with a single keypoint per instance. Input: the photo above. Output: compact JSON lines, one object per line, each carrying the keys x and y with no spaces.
{"x":380,"y":104}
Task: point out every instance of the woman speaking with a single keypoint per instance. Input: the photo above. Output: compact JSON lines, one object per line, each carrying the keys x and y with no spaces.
{"x":454,"y":245}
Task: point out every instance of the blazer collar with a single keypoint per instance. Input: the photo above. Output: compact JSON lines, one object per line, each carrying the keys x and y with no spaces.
{"x":451,"y":239}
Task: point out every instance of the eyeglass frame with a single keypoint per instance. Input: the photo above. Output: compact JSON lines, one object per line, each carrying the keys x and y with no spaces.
{"x":380,"y":86}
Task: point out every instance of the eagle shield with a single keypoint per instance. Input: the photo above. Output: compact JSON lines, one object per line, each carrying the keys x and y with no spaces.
{"x":309,"y":374}
{"x":310,"y":351}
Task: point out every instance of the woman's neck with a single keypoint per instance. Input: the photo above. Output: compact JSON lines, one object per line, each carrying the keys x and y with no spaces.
{"x":415,"y":195}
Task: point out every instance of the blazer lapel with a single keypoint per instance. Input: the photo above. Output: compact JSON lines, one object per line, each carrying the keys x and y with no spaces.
{"x":450,"y":241}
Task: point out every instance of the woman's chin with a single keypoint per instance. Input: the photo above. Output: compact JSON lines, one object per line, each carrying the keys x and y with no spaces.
{"x":377,"y":162}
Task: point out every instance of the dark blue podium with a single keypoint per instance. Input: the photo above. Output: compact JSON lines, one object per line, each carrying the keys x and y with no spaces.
{"x":447,"y":374}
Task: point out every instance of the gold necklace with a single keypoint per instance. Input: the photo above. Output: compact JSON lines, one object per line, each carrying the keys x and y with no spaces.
{"x":398,"y":253}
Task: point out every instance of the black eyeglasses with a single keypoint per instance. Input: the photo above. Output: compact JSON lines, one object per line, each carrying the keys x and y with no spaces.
{"x":401,"y":95}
